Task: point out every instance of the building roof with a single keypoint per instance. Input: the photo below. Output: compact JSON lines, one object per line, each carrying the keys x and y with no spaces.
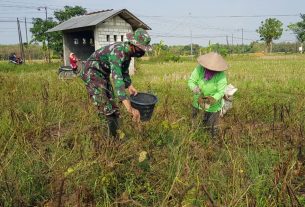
{"x":95,"y":18}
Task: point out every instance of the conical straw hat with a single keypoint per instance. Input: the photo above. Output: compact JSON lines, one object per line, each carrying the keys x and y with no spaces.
{"x":213,"y":61}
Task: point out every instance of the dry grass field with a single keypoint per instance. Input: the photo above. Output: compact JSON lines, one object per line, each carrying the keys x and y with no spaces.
{"x":54,"y":152}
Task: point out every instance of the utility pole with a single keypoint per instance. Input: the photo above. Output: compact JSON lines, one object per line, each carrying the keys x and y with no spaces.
{"x":27,"y":40}
{"x":242,"y":40}
{"x":191,"y":35}
{"x":232,"y":45}
{"x":20,"y":41}
{"x":191,"y":45}
{"x":232,"y":40}
{"x":26,"y":31}
{"x":228,"y":46}
{"x":47,"y":36}
{"x":242,"y":36}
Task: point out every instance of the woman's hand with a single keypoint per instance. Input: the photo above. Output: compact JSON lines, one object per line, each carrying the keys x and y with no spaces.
{"x":200,"y":101}
{"x":132,"y":90}
{"x":210,"y":100}
{"x":206,"y":101}
{"x":196,"y":89}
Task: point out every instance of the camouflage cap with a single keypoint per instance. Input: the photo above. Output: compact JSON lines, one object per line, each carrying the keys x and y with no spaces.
{"x":140,"y":38}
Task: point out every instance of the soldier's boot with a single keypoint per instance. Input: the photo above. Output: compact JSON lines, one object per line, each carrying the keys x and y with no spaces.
{"x":113,"y":125}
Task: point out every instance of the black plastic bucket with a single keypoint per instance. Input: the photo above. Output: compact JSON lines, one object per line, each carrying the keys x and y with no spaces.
{"x":145,"y":103}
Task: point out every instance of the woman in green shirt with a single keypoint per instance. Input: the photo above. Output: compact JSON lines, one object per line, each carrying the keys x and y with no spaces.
{"x":208,"y":82}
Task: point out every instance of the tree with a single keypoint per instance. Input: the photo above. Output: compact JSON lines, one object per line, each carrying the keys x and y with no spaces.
{"x":40,"y":27}
{"x":39,"y":32}
{"x":158,"y":47}
{"x":270,"y":30}
{"x":63,"y":15}
{"x":68,"y":12}
{"x":195,"y":48}
{"x":299,"y":29}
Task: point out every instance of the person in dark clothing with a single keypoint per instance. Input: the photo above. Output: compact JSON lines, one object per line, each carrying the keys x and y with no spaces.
{"x":13,"y":58}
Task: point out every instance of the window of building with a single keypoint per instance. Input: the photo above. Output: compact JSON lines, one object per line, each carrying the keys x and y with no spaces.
{"x":122,"y":38}
{"x":108,"y":38}
{"x":115,"y":38}
{"x":91,"y":41}
{"x":75,"y":41}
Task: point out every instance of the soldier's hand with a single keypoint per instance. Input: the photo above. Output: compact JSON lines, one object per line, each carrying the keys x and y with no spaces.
{"x":135,"y":115}
{"x":132,"y":90}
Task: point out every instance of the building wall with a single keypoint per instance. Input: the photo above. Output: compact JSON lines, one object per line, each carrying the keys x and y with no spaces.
{"x":114,"y":26}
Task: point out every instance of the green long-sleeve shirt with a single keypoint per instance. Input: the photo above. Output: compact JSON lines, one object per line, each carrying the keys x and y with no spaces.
{"x":214,"y":87}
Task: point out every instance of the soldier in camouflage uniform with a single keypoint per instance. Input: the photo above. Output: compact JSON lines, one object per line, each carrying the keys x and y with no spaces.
{"x":114,"y":59}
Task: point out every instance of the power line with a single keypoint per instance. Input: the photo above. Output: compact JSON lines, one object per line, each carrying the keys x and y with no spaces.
{"x":7,"y":21}
{"x":18,"y":6}
{"x":186,"y":36}
{"x":250,"y":16}
{"x":7,"y":28}
{"x":16,"y":2}
{"x":222,"y":29}
{"x":13,"y":18}
{"x":229,"y":16}
{"x":201,"y":36}
{"x":22,"y":5}
{"x":24,"y":11}
{"x":14,"y":21}
{"x":4,"y":31}
{"x":166,"y":24}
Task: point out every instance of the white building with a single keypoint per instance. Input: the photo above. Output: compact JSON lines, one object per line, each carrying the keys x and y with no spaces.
{"x":83,"y":35}
{"x":301,"y":49}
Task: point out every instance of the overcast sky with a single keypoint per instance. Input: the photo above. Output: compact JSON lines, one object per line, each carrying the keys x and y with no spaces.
{"x":173,"y":21}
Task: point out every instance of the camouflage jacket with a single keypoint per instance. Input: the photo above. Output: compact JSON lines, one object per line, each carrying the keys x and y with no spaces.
{"x":113,"y":59}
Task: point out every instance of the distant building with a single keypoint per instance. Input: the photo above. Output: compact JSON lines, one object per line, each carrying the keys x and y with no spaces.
{"x":84,"y":34}
{"x":301,"y":49}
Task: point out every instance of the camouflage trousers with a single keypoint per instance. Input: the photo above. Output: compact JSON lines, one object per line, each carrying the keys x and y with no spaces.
{"x":100,"y":91}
